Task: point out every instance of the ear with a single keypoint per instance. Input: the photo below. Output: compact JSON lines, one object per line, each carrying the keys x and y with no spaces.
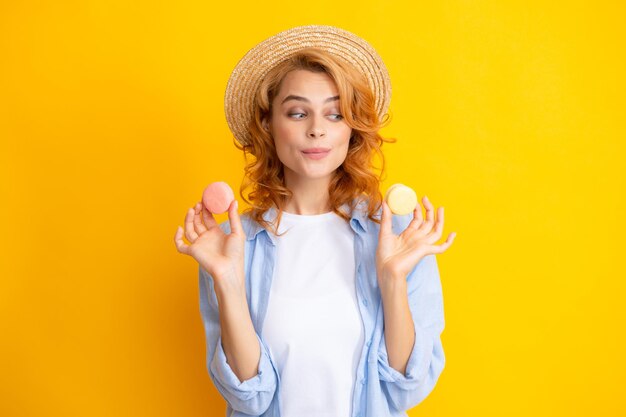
{"x":265,"y":125}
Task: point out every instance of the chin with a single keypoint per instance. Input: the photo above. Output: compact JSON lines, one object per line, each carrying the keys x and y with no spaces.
{"x":316,"y":174}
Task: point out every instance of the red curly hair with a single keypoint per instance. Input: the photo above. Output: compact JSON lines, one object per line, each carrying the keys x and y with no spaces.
{"x":354,"y":180}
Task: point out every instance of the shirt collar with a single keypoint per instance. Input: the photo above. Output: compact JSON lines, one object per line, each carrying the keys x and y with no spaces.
{"x":358,"y":222}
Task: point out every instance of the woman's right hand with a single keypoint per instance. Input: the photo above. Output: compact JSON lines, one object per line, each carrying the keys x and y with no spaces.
{"x":220,"y":254}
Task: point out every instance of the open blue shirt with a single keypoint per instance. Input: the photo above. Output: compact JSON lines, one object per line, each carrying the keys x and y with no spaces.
{"x":380,"y":390}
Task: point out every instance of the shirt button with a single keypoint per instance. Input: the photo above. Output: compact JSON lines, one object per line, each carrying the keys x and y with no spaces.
{"x":362,"y":381}
{"x":364,"y":302}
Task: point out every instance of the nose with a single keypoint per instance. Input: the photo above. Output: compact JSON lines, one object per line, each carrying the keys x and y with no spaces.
{"x":316,"y":129}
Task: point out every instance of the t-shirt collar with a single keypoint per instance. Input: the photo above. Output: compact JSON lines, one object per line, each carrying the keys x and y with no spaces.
{"x":358,"y":221}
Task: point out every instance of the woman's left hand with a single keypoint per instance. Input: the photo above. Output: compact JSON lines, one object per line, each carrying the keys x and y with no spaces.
{"x":397,"y":255}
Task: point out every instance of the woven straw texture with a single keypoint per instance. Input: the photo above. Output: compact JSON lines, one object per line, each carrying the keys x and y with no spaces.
{"x":255,"y":64}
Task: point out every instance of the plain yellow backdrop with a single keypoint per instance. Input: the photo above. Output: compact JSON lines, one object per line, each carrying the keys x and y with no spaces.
{"x":510,"y":114}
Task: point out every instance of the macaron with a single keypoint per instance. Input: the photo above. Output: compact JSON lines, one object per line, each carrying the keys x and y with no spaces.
{"x":217,"y":197}
{"x":401,"y":199}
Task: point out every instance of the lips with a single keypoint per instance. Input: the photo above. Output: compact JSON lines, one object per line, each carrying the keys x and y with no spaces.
{"x":316,"y":150}
{"x":316,"y":153}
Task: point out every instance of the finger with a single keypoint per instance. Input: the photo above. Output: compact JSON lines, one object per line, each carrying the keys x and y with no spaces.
{"x":190,"y":234}
{"x":181,"y":246}
{"x":439,"y":224}
{"x":385,"y":221}
{"x":197,"y":219}
{"x":430,"y":214}
{"x":417,"y":218}
{"x":445,"y":245}
{"x":235,"y":220}
{"x":207,"y":218}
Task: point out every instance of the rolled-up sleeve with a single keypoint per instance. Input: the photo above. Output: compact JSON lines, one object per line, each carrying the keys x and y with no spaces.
{"x":252,"y":396}
{"x":427,"y":358}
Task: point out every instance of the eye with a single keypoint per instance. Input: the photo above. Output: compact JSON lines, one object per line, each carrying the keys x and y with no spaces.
{"x":339,"y":117}
{"x":295,"y":114}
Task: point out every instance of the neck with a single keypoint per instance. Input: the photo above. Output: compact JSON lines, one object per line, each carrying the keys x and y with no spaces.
{"x":310,"y":196}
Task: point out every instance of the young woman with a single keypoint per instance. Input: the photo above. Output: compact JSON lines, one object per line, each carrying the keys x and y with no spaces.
{"x":316,"y":301}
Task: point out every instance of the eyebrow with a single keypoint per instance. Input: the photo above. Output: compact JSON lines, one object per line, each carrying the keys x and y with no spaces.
{"x":306,"y":100}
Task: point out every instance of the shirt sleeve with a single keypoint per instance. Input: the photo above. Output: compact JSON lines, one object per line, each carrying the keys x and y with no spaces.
{"x":427,"y":358}
{"x":252,"y":396}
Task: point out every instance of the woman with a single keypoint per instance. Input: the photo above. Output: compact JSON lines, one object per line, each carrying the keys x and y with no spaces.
{"x":317,"y":301}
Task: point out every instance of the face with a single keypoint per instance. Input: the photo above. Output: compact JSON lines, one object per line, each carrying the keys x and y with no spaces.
{"x":309,"y":132}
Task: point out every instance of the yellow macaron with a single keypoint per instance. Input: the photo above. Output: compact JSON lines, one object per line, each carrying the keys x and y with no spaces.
{"x":401,"y":199}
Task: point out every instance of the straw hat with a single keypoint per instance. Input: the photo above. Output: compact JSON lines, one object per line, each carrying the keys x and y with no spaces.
{"x":255,"y":64}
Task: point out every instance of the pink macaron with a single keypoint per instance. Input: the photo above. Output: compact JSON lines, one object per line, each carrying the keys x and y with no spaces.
{"x":217,"y":197}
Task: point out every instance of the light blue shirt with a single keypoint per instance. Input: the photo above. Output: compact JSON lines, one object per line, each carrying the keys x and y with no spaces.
{"x":380,"y":390}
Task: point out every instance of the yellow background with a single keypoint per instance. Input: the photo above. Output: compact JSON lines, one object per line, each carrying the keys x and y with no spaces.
{"x":509,"y":114}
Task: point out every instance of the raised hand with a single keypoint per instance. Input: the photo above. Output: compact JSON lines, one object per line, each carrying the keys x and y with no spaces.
{"x":220,"y":254}
{"x":397,"y":255}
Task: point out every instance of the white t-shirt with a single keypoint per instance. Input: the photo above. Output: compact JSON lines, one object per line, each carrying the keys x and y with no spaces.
{"x":313,"y":326}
